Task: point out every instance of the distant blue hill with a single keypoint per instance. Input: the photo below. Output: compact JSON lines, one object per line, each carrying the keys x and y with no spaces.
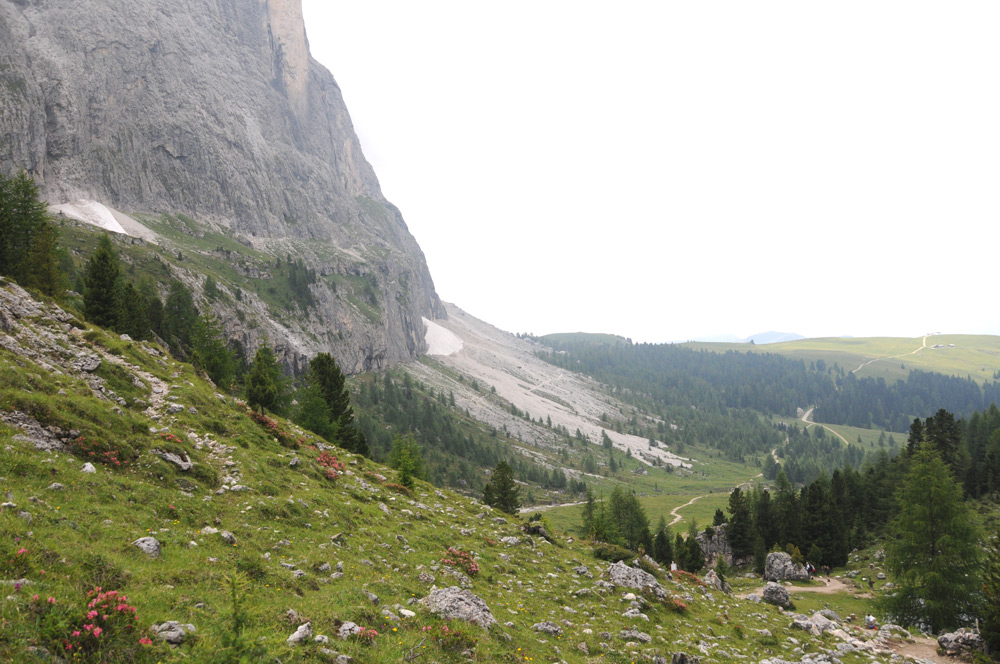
{"x":772,"y":337}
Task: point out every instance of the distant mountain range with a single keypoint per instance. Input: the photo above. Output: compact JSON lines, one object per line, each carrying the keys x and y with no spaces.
{"x":761,"y":338}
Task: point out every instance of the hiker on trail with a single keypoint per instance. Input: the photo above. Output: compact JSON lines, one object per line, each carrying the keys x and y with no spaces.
{"x":826,"y":571}
{"x":871,"y":584}
{"x":870,"y":622}
{"x":810,"y":569}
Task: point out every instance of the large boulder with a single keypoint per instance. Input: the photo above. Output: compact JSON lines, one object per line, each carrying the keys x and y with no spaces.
{"x":620,"y":574}
{"x":962,"y":642}
{"x":172,"y":631}
{"x":779,"y":567}
{"x":776,"y":594}
{"x":457,"y":603}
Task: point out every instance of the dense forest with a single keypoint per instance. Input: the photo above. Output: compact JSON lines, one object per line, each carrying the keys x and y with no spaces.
{"x":769,"y":383}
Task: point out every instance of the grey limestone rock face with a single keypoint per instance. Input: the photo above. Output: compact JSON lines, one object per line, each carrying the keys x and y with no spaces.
{"x":218,"y":111}
{"x":459,"y":604}
{"x":779,"y":567}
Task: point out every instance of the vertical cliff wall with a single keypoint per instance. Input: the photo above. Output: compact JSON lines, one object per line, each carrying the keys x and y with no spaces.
{"x":215,"y":109}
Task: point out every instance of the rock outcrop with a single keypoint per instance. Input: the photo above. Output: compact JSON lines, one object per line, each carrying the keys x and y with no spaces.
{"x":775,"y":593}
{"x":217,"y":111}
{"x":780,"y":567}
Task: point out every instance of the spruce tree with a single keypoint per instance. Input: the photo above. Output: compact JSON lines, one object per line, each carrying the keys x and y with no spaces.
{"x":933,"y":554}
{"x":695,"y":558}
{"x":264,"y":381}
{"x":663,"y":549}
{"x":180,"y":315}
{"x":42,"y":269}
{"x":22,"y":215}
{"x":502,"y":490}
{"x":102,"y":297}
{"x":740,"y":529}
{"x":989,"y":626}
{"x":327,"y":376}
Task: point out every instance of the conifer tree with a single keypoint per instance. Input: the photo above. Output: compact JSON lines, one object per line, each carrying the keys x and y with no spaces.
{"x":502,"y":492}
{"x":327,"y":376}
{"x":102,"y":298}
{"x":180,"y":315}
{"x":663,"y":549}
{"x":133,"y":320}
{"x":933,"y":554}
{"x":990,"y":614}
{"x":406,"y":457}
{"x":41,"y":265}
{"x":695,"y":558}
{"x":740,"y":529}
{"x":22,"y":215}
{"x":210,"y":352}
{"x":265,"y":382}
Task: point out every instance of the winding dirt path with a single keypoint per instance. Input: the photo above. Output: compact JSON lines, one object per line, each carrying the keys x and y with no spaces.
{"x":806,"y":418}
{"x":892,"y":357}
{"x":677,"y":517}
{"x":921,"y":648}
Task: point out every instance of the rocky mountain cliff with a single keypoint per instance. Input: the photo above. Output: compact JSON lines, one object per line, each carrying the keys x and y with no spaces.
{"x":216,"y":110}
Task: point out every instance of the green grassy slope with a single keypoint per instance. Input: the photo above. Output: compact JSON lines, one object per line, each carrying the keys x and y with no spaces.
{"x":892,"y":358}
{"x":288,"y":521}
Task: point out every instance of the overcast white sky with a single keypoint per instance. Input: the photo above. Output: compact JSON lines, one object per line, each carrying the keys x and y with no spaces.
{"x":673,"y":170}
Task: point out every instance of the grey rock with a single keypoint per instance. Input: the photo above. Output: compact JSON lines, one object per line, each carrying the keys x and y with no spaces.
{"x":171,"y":631}
{"x":459,"y":604}
{"x":583,"y":571}
{"x":347,"y":630}
{"x":303,"y":633}
{"x":961,"y":642}
{"x":684,"y":658}
{"x":548,"y":628}
{"x":55,"y":486}
{"x":174,"y":408}
{"x":184,"y":463}
{"x":148,"y":545}
{"x":372,"y":597}
{"x":713,"y":580}
{"x":88,"y":468}
{"x":776,"y":594}
{"x":634,"y":635}
{"x":779,"y":567}
{"x":620,"y":574}
{"x":228,"y":537}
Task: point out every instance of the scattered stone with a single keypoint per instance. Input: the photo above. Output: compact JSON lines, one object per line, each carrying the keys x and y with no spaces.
{"x":456,"y":603}
{"x":372,"y":597}
{"x":713,"y":580}
{"x":635,"y":635}
{"x":172,"y":632}
{"x":88,"y":468}
{"x":684,"y":658}
{"x":55,"y":486}
{"x":303,"y":633}
{"x":347,"y":630}
{"x":548,"y":628}
{"x":228,"y":537}
{"x":148,"y":545}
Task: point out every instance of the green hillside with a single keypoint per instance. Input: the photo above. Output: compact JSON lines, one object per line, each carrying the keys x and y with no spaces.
{"x":268,"y":528}
{"x":891,"y":358}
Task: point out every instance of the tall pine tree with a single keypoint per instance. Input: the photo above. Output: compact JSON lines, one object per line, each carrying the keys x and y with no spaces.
{"x":934,"y":553}
{"x":102,"y":299}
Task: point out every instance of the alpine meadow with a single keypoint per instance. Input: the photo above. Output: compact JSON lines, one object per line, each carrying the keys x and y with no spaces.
{"x":238,"y":423}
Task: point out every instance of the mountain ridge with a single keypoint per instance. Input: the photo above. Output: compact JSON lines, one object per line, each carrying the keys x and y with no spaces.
{"x":217,"y":112}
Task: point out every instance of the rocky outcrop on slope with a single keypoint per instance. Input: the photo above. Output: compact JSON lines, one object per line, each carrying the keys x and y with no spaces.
{"x":215,"y":110}
{"x":779,"y":567}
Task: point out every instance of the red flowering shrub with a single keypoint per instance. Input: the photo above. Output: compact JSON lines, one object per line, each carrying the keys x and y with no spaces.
{"x":109,"y":453}
{"x":333,"y":466}
{"x":462,"y":559}
{"x":272,"y":428}
{"x":108,"y":630}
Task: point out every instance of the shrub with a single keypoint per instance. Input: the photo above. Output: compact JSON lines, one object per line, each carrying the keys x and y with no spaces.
{"x":108,"y":630}
{"x":461,"y":559}
{"x":111,"y":453}
{"x":453,"y":640}
{"x":333,"y":466}
{"x":612,"y":552}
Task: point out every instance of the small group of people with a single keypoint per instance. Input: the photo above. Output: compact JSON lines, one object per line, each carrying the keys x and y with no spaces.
{"x":870,"y":622}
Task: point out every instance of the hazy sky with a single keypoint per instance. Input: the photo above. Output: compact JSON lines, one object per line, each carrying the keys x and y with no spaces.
{"x":669,"y":170}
